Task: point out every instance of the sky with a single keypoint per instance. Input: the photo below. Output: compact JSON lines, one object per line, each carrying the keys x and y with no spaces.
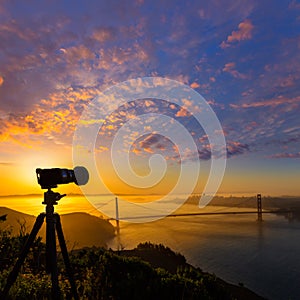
{"x":243,"y":57}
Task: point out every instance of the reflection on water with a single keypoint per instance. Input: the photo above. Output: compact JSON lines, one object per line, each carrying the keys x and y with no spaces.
{"x":264,"y":256}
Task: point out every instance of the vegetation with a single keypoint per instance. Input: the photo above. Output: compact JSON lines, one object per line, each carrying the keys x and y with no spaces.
{"x":106,"y":274}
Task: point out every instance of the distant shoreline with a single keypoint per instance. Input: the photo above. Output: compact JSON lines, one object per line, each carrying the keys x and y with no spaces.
{"x":227,"y":195}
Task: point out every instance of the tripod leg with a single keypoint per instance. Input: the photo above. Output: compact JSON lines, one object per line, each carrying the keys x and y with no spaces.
{"x":51,"y":256}
{"x":65,"y":255}
{"x":14,"y":273}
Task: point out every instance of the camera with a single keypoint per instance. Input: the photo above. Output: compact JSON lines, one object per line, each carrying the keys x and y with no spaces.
{"x":50,"y":178}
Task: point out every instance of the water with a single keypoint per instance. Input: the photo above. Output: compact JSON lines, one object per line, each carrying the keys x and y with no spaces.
{"x":263,"y":256}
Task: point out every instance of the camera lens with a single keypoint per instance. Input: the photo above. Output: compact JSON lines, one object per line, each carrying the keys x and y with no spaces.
{"x":50,"y":178}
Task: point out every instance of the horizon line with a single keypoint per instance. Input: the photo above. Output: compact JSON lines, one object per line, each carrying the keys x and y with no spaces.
{"x":225,"y":195}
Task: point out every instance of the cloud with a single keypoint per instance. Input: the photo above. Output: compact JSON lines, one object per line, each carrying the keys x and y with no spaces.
{"x":280,"y":100}
{"x":52,"y":120}
{"x":244,"y":32}
{"x":204,"y":154}
{"x":53,"y":63}
{"x":285,"y":155}
{"x":101,"y":149}
{"x":1,"y":80}
{"x":230,"y":68}
{"x":294,"y":5}
{"x":288,"y":81}
{"x":236,"y":148}
{"x":284,"y":142}
{"x":42,"y":55}
{"x":183,"y":112}
{"x":189,"y":156}
{"x":4,"y":163}
{"x":153,"y":141}
{"x":78,"y":53}
{"x":194,"y":85}
{"x":103,"y":34}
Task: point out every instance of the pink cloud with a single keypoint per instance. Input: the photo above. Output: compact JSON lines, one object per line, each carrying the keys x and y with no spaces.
{"x":271,"y":102}
{"x":236,"y":148}
{"x":294,"y":5}
{"x":288,"y":81}
{"x":286,"y":155}
{"x":230,"y":68}
{"x":103,"y":34}
{"x":151,"y":143}
{"x":244,"y":32}
{"x":250,"y":126}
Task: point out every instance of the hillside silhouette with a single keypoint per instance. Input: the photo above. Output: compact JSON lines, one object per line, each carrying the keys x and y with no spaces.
{"x":80,"y":229}
{"x":147,"y":272}
{"x":160,"y":256}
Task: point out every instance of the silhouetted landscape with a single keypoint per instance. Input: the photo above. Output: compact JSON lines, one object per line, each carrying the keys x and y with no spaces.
{"x":149,"y":271}
{"x":80,"y":229}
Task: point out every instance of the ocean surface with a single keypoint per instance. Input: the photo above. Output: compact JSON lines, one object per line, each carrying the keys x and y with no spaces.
{"x":264,"y":256}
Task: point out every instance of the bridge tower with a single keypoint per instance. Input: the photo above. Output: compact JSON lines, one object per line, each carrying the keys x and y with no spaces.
{"x":117,"y":216}
{"x":259,"y":208}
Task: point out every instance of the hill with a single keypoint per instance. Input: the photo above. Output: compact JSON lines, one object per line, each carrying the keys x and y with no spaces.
{"x":147,"y":272}
{"x":270,"y":203}
{"x":163,"y":257}
{"x":80,"y":229}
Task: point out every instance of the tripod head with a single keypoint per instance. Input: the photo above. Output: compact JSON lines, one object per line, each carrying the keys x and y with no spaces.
{"x":51,"y":198}
{"x":50,"y":178}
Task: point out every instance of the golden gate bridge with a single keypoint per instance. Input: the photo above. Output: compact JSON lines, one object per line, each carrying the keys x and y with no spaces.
{"x":259,"y":212}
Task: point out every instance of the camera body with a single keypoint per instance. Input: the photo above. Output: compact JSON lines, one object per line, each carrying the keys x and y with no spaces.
{"x":50,"y":178}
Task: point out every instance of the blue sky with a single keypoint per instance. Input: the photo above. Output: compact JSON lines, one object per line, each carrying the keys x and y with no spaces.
{"x":242,"y":56}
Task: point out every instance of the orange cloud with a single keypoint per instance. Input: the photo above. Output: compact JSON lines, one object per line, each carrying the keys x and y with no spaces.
{"x":195,"y":85}
{"x":182,"y":113}
{"x":103,"y":34}
{"x":52,"y":120}
{"x":272,"y":102}
{"x":101,"y":149}
{"x":187,"y":103}
{"x":78,"y":53}
{"x":1,"y":80}
{"x":230,"y":68}
{"x":244,"y":32}
{"x":136,"y":151}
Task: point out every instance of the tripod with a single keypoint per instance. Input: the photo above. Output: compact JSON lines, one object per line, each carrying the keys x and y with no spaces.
{"x":52,"y":224}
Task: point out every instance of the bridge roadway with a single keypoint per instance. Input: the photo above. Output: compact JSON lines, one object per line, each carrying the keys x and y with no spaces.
{"x":280,"y":211}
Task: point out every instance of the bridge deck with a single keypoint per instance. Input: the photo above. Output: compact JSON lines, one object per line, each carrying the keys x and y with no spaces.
{"x":205,"y":214}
